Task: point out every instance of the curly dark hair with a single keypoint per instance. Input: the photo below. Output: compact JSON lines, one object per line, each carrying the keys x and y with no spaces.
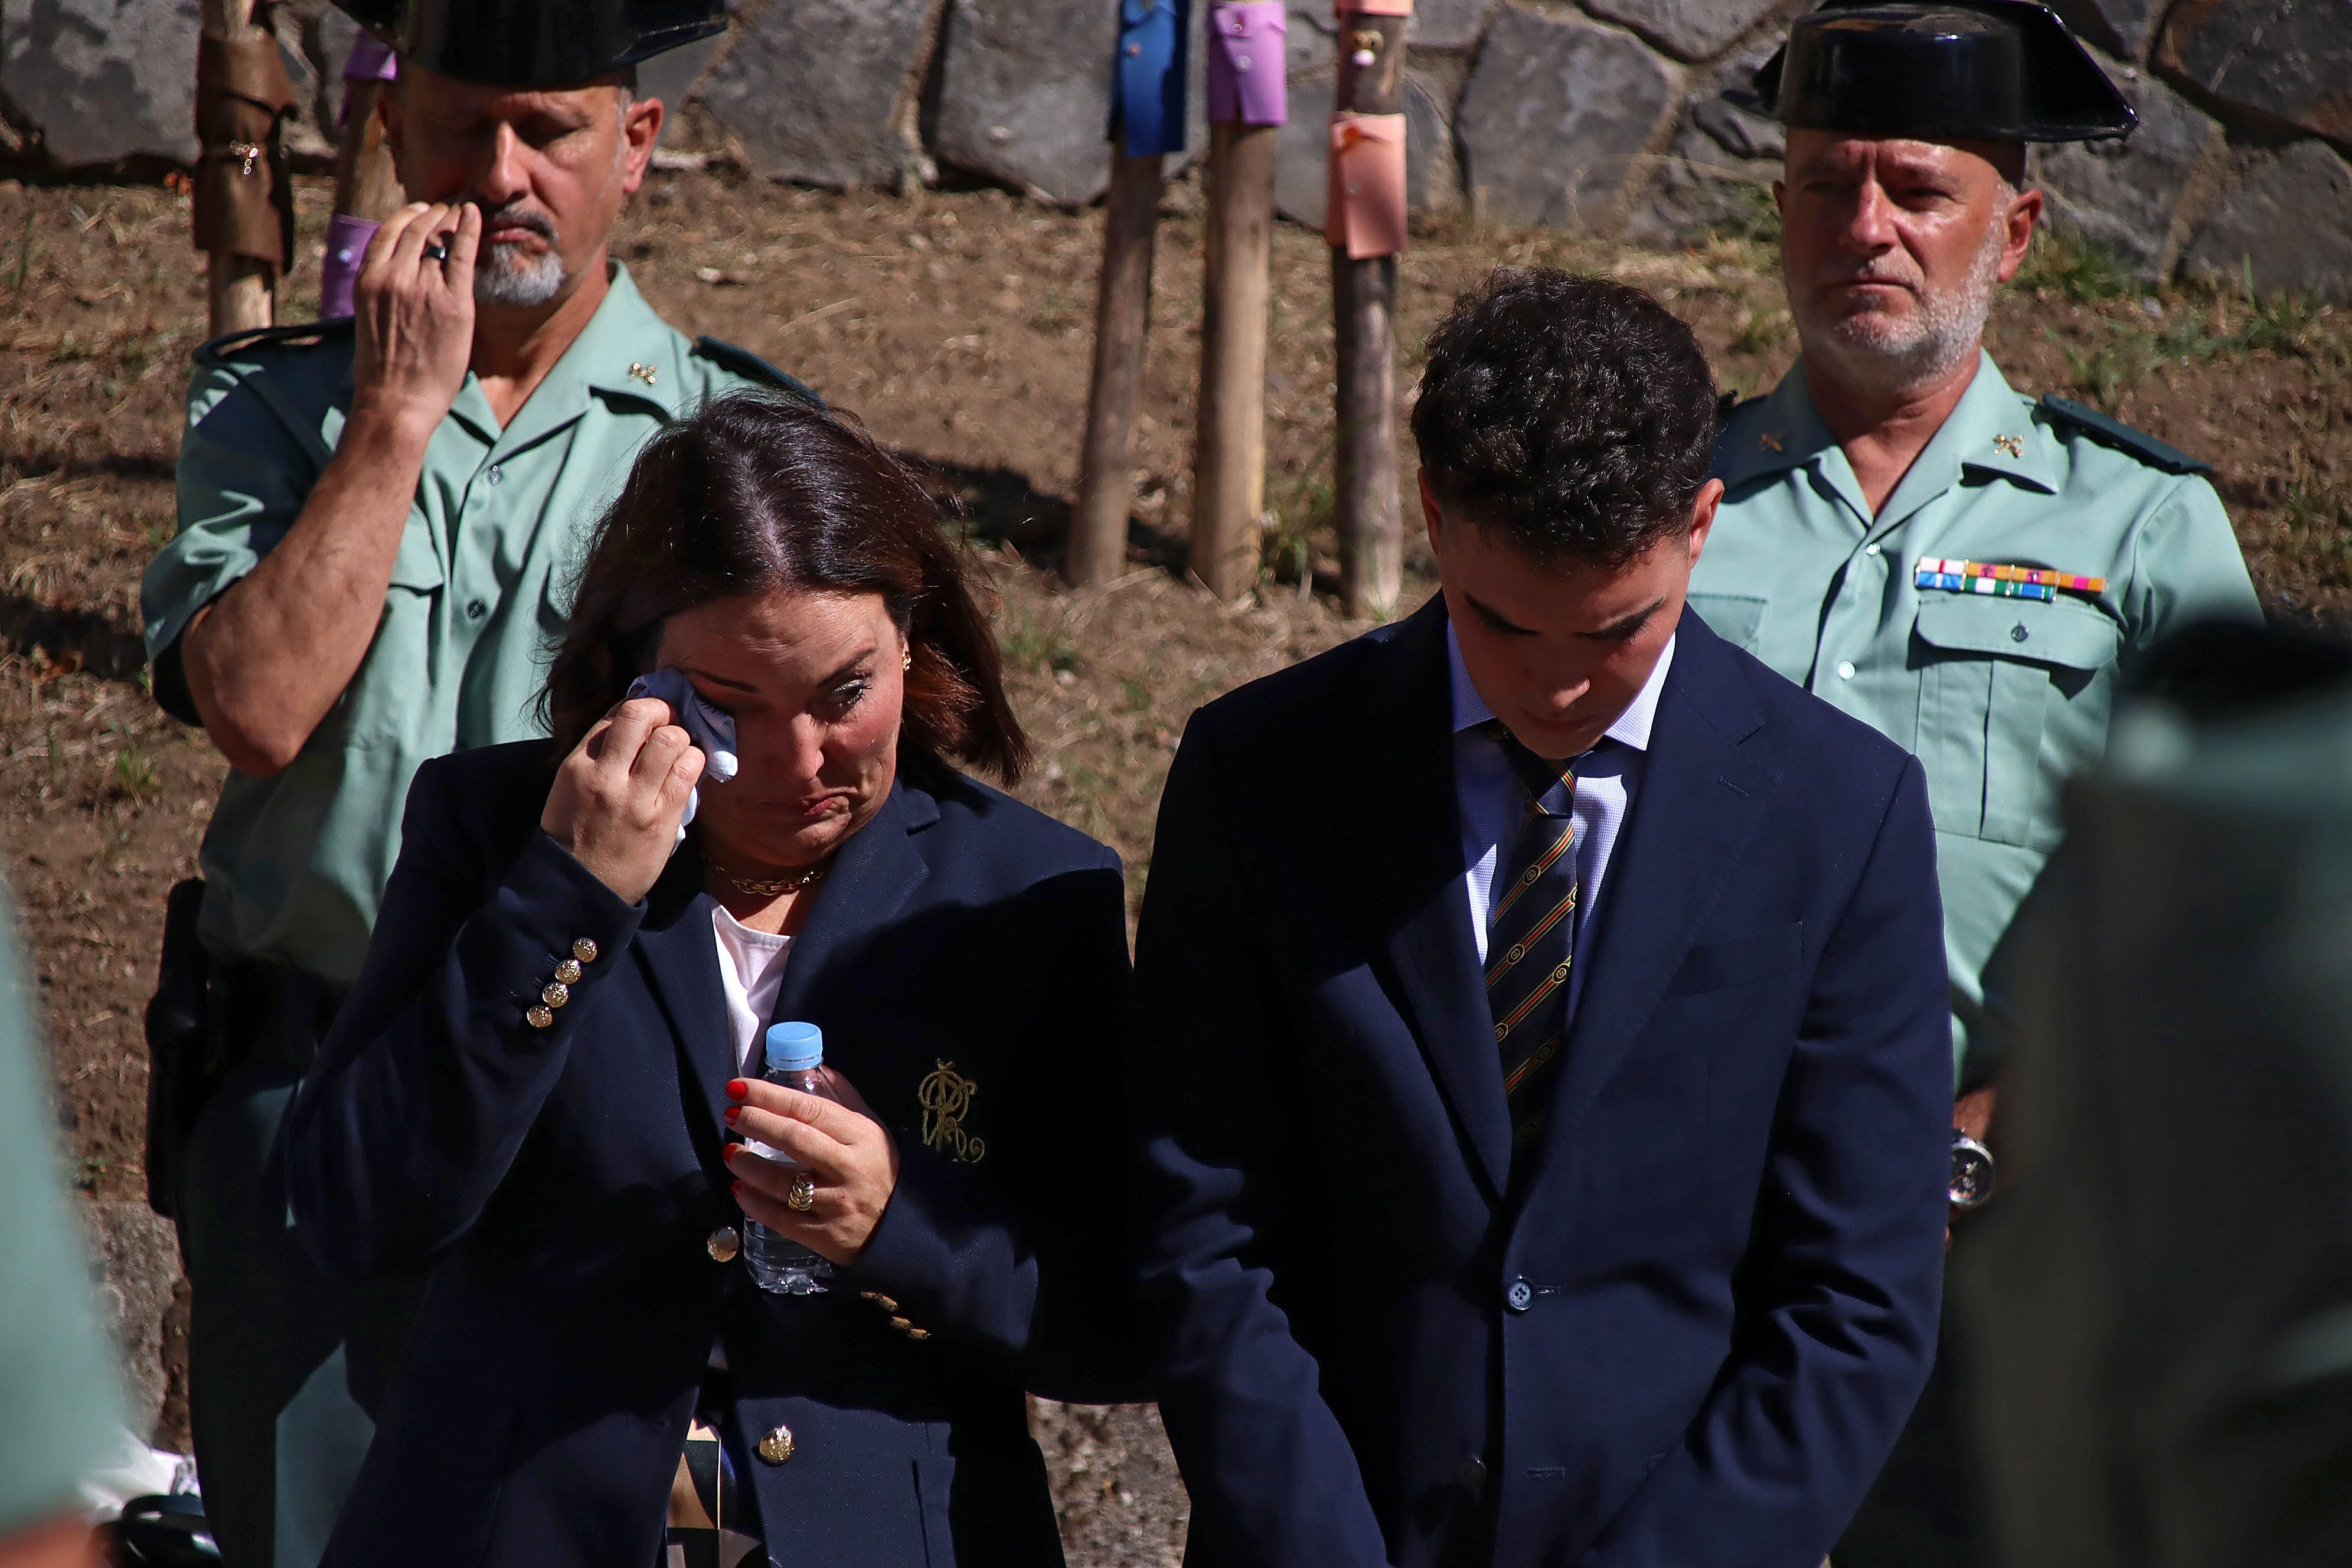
{"x":754,"y":492}
{"x":1573,"y":415}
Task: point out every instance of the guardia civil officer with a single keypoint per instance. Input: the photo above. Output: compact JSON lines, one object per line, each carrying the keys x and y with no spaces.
{"x":1905,"y":534}
{"x":378,"y":523}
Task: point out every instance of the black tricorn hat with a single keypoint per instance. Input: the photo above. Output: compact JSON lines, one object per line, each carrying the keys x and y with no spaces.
{"x":1997,"y":70}
{"x":534,"y":43}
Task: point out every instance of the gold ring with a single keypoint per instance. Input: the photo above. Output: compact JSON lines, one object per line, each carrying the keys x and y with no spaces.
{"x":803,"y":1197}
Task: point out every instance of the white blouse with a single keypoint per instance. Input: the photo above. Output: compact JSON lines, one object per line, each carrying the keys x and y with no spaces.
{"x":752,"y":971}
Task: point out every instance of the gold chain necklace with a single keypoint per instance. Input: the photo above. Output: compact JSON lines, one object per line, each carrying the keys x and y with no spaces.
{"x":768,"y":887}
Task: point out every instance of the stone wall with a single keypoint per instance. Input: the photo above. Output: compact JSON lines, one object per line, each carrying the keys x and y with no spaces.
{"x":1607,"y":115}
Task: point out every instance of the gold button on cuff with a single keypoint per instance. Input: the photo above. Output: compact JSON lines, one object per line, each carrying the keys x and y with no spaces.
{"x":900,"y":1324}
{"x":919,"y":1334}
{"x":569,"y":971}
{"x":778,"y":1446}
{"x":555,"y":994}
{"x":584,"y":950}
{"x":723,"y":1245}
{"x":880,"y":1300}
{"x":541,"y":1018}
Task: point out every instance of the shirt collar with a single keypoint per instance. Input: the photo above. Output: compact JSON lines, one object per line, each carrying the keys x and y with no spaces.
{"x":623,"y":350}
{"x":1990,"y":428}
{"x":1632,"y":726}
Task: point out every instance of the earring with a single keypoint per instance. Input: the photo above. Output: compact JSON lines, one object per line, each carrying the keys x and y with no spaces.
{"x":907,"y":659}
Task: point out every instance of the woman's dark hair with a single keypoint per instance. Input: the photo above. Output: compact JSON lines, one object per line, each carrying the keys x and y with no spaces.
{"x":1574,"y":418}
{"x":753,"y":492}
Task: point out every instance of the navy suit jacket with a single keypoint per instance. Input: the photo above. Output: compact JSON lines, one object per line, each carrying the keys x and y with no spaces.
{"x":1687,"y":1333}
{"x":562,"y":1185}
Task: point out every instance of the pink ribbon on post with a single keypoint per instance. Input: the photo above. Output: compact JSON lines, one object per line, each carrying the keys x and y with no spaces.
{"x":1364,"y":207}
{"x":1246,"y":67}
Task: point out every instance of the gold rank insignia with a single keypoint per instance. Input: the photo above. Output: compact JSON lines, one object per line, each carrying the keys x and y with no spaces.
{"x":1769,"y":441}
{"x":946,"y":1096}
{"x":2013,"y":445}
{"x":644,"y":373}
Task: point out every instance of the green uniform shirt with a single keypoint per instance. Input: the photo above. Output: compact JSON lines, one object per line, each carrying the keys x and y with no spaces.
{"x":295,"y":864}
{"x":60,"y":1408}
{"x":2001,"y":699}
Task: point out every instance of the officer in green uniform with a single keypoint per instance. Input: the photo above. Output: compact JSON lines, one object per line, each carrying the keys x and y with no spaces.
{"x":60,"y":1407}
{"x":1907,"y":536}
{"x":378,"y":525}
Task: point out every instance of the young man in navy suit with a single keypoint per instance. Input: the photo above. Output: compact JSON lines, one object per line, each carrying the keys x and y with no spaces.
{"x":1543,"y":1077}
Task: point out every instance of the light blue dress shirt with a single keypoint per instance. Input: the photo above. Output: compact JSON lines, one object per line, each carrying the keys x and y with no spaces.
{"x":1490,"y":801}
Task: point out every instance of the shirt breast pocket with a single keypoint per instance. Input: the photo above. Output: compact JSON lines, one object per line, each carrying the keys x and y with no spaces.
{"x":1737,"y":618}
{"x":1994,"y":672}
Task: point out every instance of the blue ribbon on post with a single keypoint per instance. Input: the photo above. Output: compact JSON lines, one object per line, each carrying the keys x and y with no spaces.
{"x":1147,"y":99}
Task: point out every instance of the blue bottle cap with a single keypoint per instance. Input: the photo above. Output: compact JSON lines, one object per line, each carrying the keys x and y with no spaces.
{"x":794,"y":1046}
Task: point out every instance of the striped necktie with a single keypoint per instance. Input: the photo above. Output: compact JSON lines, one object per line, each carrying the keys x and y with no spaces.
{"x":1530,"y":935}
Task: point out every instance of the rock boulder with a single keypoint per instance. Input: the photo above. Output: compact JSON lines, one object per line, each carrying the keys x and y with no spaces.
{"x":812,"y":89}
{"x":1554,"y":116}
{"x":1302,"y":156}
{"x":2289,"y":61}
{"x":2285,"y":217}
{"x":1687,"y":29}
{"x":2121,"y":196}
{"x":103,"y":81}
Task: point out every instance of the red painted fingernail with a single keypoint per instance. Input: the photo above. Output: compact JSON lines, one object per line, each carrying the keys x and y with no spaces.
{"x":732,"y":1113}
{"x":736,"y":1189}
{"x":737,"y":1088}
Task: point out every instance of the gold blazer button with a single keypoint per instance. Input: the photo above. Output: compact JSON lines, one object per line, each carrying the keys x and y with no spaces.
{"x":723,"y":1245}
{"x":777,"y":1446}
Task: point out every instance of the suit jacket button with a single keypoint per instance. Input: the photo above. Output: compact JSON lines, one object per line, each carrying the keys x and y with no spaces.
{"x":1470,"y":1475}
{"x":723,"y":1245}
{"x":778,"y":1445}
{"x":1520,"y":1296}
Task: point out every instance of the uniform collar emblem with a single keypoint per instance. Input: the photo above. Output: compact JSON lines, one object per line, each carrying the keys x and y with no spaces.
{"x":644,"y":373}
{"x":946,"y":1096}
{"x":2012,"y":445}
{"x":1769,"y":441}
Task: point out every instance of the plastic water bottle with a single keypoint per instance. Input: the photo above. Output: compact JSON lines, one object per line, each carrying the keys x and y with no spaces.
{"x":777,"y":1263}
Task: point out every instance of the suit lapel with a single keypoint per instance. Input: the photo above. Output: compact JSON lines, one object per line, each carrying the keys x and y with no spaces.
{"x":1413,"y":841}
{"x":1701,"y":799}
{"x":877,"y":869}
{"x":681,"y":959}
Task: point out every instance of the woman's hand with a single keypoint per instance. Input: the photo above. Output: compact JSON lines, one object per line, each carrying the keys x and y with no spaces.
{"x":619,"y":796}
{"x":848,"y":1156}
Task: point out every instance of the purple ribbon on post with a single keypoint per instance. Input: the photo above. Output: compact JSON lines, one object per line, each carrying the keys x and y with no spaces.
{"x":369,"y":61}
{"x":1246,"y":65}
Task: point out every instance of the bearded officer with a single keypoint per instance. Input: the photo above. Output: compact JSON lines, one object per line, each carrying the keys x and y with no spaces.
{"x":377,"y":524}
{"x":1907,"y":536}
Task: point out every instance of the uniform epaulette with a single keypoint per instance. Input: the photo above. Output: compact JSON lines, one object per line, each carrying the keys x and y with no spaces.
{"x":2115,"y":433}
{"x":1726,"y":405}
{"x":744,"y":362}
{"x":299,"y":335}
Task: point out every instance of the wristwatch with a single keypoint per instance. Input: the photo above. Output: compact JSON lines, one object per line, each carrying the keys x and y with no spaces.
{"x":1973,"y":1172}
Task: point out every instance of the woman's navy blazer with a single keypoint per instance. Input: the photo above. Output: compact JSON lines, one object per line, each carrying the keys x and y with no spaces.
{"x":967,"y":960}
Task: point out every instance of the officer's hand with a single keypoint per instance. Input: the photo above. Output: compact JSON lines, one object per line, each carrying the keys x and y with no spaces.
{"x":849,"y":1158}
{"x":415,"y":315}
{"x":619,"y":796}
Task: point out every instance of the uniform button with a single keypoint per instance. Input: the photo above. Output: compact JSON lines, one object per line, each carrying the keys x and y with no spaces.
{"x":778,"y":1445}
{"x":723,"y":1245}
{"x":1470,"y":1475}
{"x":1845,"y":671}
{"x":1872,"y":551}
{"x":541,"y":1018}
{"x":1520,"y":1296}
{"x":476,"y":609}
{"x":2018,"y":632}
{"x":496,"y":474}
{"x":1133,"y":50}
{"x":569,"y":971}
{"x":584,"y":948}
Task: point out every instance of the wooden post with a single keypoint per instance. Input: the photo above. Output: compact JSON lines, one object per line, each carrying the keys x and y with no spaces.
{"x":1097,"y":548}
{"x":1229,"y":459}
{"x":1363,"y":295}
{"x":240,"y":292}
{"x":366,"y":185}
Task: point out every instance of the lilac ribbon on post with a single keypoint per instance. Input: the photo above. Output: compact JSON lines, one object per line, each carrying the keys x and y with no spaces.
{"x":347,"y":237}
{"x":369,"y":61}
{"x":1246,"y":67}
